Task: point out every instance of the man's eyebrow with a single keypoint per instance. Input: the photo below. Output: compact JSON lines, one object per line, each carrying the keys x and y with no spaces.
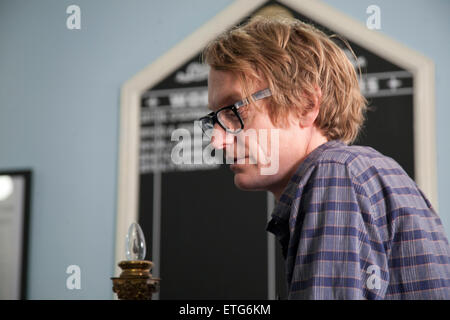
{"x":226,"y":101}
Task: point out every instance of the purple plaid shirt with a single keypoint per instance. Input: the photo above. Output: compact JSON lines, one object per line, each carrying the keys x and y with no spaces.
{"x":353,"y":225}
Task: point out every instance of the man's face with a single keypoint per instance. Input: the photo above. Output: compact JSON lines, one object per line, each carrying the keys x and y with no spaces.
{"x":269,"y":162}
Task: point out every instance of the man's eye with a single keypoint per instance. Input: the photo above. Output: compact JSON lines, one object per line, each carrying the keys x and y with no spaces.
{"x":228,"y":112}
{"x":242,"y":113}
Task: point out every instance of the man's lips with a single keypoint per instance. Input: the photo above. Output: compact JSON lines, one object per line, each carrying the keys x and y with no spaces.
{"x":235,"y":160}
{"x":235,"y":165}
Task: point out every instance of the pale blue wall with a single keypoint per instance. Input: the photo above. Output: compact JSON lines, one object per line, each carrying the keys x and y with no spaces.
{"x":59,"y":106}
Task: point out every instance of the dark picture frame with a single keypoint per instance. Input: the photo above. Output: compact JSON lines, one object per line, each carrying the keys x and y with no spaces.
{"x":26,"y":176}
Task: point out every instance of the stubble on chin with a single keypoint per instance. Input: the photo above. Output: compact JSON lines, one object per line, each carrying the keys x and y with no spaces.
{"x":249,"y":180}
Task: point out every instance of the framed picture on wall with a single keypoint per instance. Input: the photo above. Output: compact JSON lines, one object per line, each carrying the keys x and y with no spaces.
{"x":15,"y":191}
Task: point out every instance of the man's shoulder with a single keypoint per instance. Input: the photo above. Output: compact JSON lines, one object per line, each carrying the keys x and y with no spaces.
{"x":339,"y":152}
{"x":369,"y":171}
{"x":357,"y":160}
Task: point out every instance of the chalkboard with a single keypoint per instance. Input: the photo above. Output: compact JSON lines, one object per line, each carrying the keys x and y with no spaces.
{"x":213,"y":238}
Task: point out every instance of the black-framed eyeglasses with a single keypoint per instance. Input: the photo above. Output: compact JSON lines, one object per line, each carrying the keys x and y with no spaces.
{"x":228,"y":117}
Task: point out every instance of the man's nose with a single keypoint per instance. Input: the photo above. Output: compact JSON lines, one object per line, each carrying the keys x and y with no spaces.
{"x":220,"y":138}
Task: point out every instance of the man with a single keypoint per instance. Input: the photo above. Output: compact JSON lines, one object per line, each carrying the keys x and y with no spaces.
{"x":351,"y":223}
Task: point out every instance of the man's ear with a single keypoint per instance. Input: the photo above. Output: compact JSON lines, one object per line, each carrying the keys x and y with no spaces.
{"x":310,"y":116}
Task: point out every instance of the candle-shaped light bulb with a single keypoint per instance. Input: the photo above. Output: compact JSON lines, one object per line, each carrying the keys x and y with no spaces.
{"x":135,"y":243}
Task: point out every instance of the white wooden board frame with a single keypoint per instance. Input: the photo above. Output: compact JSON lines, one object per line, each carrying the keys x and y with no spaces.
{"x":421,"y":67}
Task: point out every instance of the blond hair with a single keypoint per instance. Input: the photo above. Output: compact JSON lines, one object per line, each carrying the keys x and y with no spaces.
{"x":295,"y":59}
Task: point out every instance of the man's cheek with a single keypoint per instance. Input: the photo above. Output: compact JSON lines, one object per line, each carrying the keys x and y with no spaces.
{"x":274,"y":159}
{"x":250,"y":149}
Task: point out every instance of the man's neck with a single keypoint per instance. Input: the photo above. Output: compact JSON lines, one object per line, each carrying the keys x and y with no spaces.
{"x":317,"y":139}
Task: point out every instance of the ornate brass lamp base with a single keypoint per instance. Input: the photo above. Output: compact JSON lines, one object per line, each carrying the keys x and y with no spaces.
{"x":135,"y":281}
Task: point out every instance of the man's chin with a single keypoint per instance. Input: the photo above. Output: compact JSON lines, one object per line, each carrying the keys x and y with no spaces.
{"x":245,"y":182}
